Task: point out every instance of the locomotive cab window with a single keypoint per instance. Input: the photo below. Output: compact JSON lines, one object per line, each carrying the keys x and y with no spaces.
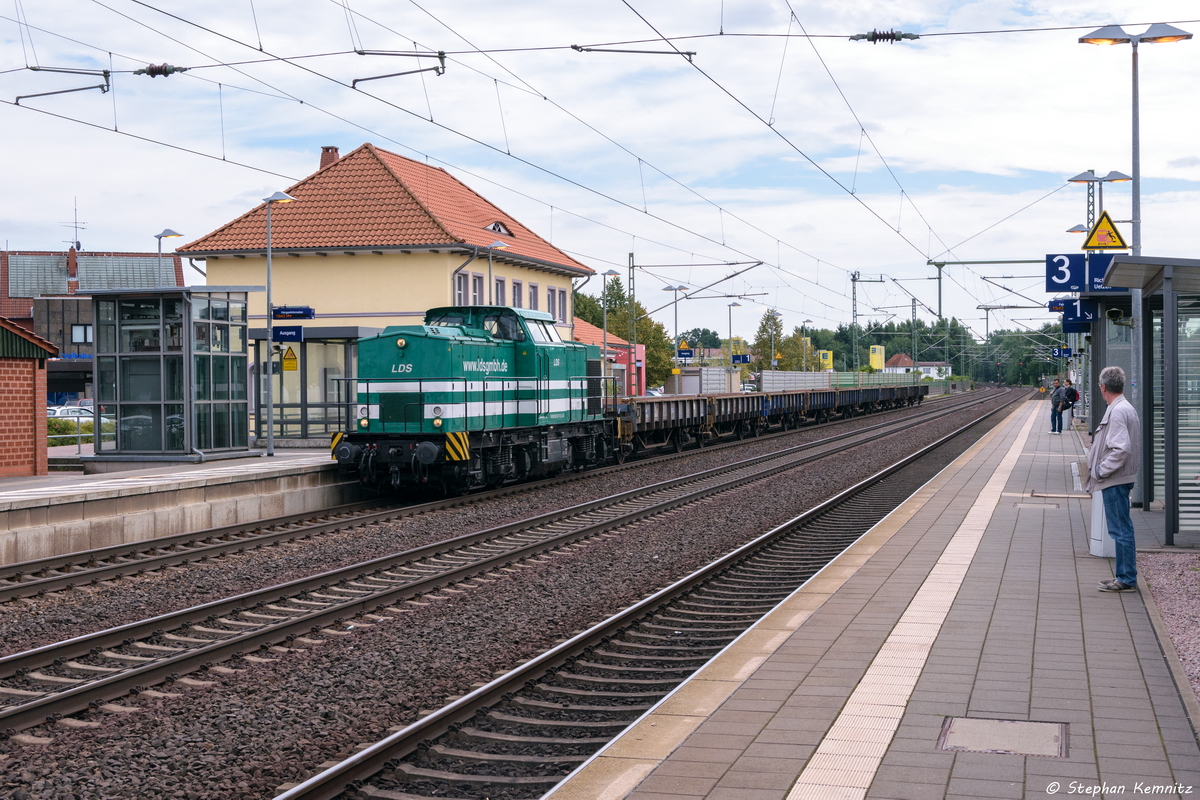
{"x":543,"y":331}
{"x":447,"y":321}
{"x":504,"y":326}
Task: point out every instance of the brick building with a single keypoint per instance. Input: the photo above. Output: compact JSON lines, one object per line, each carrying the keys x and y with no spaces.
{"x":22,"y":400}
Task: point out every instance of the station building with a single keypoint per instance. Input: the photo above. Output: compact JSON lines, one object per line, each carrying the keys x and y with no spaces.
{"x":372,"y":239}
{"x":23,"y":357}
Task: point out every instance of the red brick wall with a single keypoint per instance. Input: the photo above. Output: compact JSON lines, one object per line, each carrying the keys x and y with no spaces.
{"x":22,"y":416}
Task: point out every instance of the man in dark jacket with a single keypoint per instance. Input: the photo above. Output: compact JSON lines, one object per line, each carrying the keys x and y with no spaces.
{"x":1112,"y":469}
{"x":1057,"y":398}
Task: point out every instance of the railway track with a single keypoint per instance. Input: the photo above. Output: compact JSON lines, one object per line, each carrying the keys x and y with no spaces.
{"x":58,"y":573}
{"x":56,"y":680}
{"x":519,"y":735}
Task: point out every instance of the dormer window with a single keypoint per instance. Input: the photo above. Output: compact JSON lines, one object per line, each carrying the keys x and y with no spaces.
{"x":498,"y":227}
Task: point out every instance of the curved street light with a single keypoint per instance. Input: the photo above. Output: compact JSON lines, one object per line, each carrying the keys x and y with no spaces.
{"x":278,"y":197}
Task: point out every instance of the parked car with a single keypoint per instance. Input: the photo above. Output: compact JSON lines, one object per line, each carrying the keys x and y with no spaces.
{"x":76,"y":412}
{"x":749,"y":387}
{"x":85,"y":402}
{"x":655,"y":392}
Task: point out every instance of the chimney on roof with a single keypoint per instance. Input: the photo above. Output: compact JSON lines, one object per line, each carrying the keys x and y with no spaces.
{"x":329,"y":155}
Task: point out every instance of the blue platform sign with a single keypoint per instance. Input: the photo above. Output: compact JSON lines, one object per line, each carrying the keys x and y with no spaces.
{"x":1060,"y":352}
{"x":689,"y":353}
{"x":1077,"y":327}
{"x":741,"y":359}
{"x":1056,"y":306}
{"x":1097,"y":266}
{"x":1080,"y":311}
{"x":287,"y":333}
{"x":292,"y":312}
{"x":1065,"y":272}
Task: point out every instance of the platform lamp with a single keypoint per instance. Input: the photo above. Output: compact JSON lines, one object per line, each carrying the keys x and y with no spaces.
{"x":804,"y":340}
{"x":278,"y":197}
{"x":612,"y":273}
{"x":1091,"y":179}
{"x":498,"y":245}
{"x":675,"y":303}
{"x":166,"y":234}
{"x":777,"y":316}
{"x":1158,"y":33}
{"x":732,"y":306}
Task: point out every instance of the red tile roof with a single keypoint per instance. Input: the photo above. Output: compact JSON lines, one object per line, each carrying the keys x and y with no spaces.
{"x":587,"y":333}
{"x":371,"y":198}
{"x":28,"y":335}
{"x":899,"y":360}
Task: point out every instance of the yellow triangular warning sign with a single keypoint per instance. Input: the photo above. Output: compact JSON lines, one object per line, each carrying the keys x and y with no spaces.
{"x":290,"y":362}
{"x":1104,"y":235}
{"x":683,"y":345}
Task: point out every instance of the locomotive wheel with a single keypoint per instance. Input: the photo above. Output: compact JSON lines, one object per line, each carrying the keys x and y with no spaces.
{"x":619,"y":455}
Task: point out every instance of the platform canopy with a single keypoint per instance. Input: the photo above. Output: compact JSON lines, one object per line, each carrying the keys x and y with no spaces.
{"x":1147,"y":273}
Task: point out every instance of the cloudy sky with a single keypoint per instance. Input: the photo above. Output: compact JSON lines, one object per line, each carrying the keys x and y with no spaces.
{"x":817,"y":155}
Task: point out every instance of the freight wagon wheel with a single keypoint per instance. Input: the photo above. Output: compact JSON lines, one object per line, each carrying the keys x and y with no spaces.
{"x":677,"y":441}
{"x":755,"y":428}
{"x":740,"y":430}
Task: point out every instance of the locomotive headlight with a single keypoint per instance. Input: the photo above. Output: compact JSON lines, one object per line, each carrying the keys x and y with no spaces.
{"x":401,"y":343}
{"x":362,"y":423}
{"x":437,"y":423}
{"x":437,"y":411}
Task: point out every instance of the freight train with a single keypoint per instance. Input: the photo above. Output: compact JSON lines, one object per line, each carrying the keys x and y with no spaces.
{"x":487,"y":395}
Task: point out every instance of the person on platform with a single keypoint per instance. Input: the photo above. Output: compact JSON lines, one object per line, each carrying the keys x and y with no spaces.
{"x":1057,"y":398}
{"x":1072,"y":396}
{"x":1112,"y":470}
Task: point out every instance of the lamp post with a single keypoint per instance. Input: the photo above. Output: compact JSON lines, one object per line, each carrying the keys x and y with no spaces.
{"x":1158,"y":33}
{"x":604,"y":351}
{"x":166,"y":234}
{"x":732,"y":306}
{"x":804,"y":341}
{"x":675,"y":303}
{"x":499,"y":245}
{"x":777,"y":317}
{"x":278,"y":197}
{"x":1093,"y":181}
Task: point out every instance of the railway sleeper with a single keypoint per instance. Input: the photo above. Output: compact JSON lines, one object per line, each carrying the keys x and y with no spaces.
{"x":656,"y":649}
{"x":479,"y":780}
{"x":553,"y":691}
{"x":532,"y":703}
{"x":684,"y":641}
{"x":615,"y":726}
{"x":734,"y":616}
{"x":589,"y":681}
{"x":503,"y":758}
{"x":483,"y":737}
{"x":592,"y":665}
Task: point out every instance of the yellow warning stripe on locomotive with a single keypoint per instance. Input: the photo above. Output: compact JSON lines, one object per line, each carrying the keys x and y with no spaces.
{"x":458,"y":448}
{"x":333,"y":443}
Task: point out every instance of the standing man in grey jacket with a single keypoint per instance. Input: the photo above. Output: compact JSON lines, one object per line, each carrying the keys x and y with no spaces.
{"x":1112,"y":469}
{"x":1057,"y":398}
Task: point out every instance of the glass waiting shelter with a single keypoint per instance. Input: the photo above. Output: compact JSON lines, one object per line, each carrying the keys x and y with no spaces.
{"x":171,"y":373}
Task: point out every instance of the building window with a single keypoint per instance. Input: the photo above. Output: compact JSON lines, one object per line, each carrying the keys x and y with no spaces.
{"x":562,"y":305}
{"x":518,"y":300}
{"x":499,"y":292}
{"x":476,"y":290}
{"x":550,"y":295}
{"x":498,"y":227}
{"x":533,"y":291}
{"x":81,"y":334}
{"x":460,"y":289}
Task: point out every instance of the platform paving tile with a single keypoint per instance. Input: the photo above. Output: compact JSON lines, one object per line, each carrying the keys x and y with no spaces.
{"x":738,"y":779}
{"x":977,"y":787}
{"x":989,"y":766}
{"x":906,"y":790}
{"x":692,"y":769}
{"x":638,"y":794}
{"x":677,"y":784}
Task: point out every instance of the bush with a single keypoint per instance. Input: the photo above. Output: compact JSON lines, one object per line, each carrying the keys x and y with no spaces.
{"x":63,"y":430}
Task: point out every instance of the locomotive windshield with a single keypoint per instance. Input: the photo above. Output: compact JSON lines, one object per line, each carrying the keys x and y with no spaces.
{"x":543,"y":331}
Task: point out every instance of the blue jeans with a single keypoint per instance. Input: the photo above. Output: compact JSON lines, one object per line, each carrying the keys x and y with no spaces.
{"x":1120,"y":528}
{"x":1056,"y":420}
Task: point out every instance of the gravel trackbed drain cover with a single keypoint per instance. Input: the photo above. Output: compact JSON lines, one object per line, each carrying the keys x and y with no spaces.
{"x":967,"y":734}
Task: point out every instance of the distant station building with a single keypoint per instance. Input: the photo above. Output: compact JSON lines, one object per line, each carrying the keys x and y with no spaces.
{"x":48,"y":294}
{"x":617,"y":358}
{"x":23,"y":358}
{"x":372,"y":239}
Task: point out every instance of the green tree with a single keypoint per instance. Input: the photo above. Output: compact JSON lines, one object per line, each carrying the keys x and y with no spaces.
{"x":702,"y":337}
{"x":649,"y":333}
{"x":769,"y":329}
{"x":588,"y":308}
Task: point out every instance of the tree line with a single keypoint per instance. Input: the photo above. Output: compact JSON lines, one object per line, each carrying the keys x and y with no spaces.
{"x":1006,"y":356}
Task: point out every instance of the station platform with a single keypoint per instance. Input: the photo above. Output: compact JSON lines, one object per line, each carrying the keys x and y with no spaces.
{"x":67,"y":512}
{"x":959,"y":649}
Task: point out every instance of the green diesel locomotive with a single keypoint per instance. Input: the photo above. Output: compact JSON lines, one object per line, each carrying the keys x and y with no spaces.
{"x":477,"y":396}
